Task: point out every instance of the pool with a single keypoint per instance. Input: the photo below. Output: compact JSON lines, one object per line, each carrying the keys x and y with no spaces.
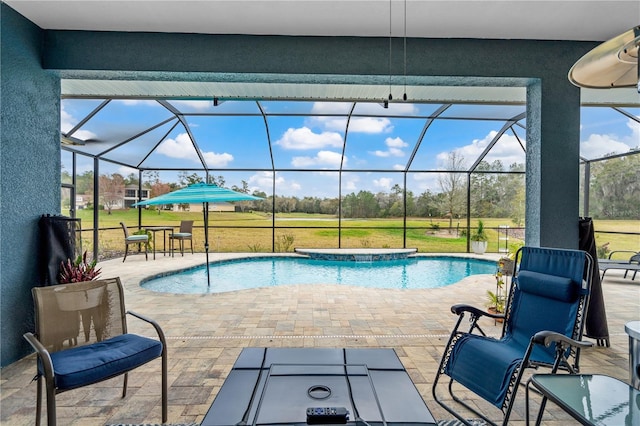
{"x":246,"y":273}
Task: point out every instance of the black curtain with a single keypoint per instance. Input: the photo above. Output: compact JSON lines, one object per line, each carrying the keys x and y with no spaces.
{"x":596,"y":320}
{"x":58,"y":237}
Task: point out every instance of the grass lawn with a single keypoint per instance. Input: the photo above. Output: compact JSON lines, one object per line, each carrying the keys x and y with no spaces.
{"x":251,"y":231}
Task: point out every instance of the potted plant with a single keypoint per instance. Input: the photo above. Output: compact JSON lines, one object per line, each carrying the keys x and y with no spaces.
{"x":81,"y":302}
{"x":479,"y":239}
{"x":495,"y":303}
{"x":78,"y":271}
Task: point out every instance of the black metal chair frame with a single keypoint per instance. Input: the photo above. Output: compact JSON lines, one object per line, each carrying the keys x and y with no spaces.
{"x":566,"y":349}
{"x":128,"y":241}
{"x":48,"y":369}
{"x":186,"y":227}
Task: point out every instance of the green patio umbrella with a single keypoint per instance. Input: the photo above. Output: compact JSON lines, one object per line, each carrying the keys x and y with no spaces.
{"x":199,"y":193}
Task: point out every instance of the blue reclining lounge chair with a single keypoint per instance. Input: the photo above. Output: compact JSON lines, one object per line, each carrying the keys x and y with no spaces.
{"x":543,"y":325}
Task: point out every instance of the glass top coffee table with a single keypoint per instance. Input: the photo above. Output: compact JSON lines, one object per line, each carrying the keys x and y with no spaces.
{"x":276,"y":386}
{"x":591,"y":399}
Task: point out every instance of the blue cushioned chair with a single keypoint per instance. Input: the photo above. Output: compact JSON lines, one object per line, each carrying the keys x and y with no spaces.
{"x":543,"y":326}
{"x":81,"y":338}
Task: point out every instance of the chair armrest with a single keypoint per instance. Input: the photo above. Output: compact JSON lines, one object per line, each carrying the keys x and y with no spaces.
{"x":547,"y":337}
{"x":461,"y":308}
{"x":622,"y":251}
{"x":43,"y":353}
{"x":154,"y":324}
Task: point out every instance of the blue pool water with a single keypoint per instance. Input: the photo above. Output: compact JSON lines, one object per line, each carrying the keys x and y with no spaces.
{"x":241,"y":274}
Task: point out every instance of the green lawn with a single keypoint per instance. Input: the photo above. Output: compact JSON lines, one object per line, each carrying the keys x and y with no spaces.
{"x":251,"y":231}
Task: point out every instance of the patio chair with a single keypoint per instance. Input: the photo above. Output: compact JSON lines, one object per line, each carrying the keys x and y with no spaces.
{"x":543,"y":326}
{"x":633,"y":264}
{"x":185,"y":233}
{"x":134,"y":239}
{"x":94,"y":313}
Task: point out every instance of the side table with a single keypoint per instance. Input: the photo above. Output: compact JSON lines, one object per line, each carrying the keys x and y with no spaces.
{"x":164,"y":230}
{"x":591,"y":399}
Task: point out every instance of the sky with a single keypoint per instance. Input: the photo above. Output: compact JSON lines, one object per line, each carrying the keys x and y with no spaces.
{"x":310,"y":136}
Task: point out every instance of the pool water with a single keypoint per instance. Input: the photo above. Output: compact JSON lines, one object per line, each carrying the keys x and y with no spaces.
{"x":241,"y":274}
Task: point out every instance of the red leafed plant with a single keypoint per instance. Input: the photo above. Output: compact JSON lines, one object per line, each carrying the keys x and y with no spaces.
{"x":79,"y":270}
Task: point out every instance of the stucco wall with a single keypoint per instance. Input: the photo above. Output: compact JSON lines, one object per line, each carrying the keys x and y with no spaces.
{"x":29,"y":172}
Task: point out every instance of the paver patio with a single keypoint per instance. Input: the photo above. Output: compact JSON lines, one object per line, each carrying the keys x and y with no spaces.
{"x":206,"y":333}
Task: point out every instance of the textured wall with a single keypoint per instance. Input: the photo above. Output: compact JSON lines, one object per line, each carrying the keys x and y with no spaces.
{"x":29,"y":172}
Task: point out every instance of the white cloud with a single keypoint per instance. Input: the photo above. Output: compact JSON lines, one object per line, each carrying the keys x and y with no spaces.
{"x":67,"y":122}
{"x":635,"y":132}
{"x":322,"y":158}
{"x":600,"y":145}
{"x":370,"y":125}
{"x":383,"y":183}
{"x":399,"y":108}
{"x":303,"y":138}
{"x":263,"y":181}
{"x":597,"y":145}
{"x":182,"y":148}
{"x":350,"y":182}
{"x":331,"y":107}
{"x":507,"y":150}
{"x":126,"y":171}
{"x":394,"y":148}
{"x":132,"y":102}
{"x":192,"y":105}
{"x":217,"y":160}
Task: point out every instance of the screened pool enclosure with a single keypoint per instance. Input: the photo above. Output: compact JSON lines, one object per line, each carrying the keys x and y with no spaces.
{"x":333,"y":173}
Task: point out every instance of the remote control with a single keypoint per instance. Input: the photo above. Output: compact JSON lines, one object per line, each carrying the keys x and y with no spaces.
{"x":327,"y":415}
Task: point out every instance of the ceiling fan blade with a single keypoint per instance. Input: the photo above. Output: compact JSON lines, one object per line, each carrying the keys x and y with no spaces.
{"x":614,"y":63}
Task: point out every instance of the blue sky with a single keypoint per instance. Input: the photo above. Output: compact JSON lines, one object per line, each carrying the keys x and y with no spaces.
{"x":378,"y":139}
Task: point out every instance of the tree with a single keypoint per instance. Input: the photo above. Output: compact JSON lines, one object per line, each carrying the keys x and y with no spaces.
{"x":218,"y":181}
{"x":186,"y":179}
{"x":615,"y":188}
{"x":84,"y":183}
{"x":453,"y":187}
{"x":245,"y":190}
{"x":131,"y":179}
{"x":111,"y":190}
{"x":362,"y":205}
{"x":151,"y":176}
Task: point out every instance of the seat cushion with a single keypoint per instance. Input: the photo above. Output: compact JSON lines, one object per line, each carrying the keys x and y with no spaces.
{"x":88,"y":364}
{"x":181,"y":235}
{"x":138,"y":238}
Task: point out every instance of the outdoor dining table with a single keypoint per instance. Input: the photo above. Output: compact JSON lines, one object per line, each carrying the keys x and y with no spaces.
{"x":164,"y":230}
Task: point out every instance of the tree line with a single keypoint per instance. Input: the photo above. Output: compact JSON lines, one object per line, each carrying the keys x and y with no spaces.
{"x":494,"y":191}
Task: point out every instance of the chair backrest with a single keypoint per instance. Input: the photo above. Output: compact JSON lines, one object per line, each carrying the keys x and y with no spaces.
{"x":76,"y":314}
{"x":550,"y":292}
{"x":186,"y":226}
{"x":124,"y":228}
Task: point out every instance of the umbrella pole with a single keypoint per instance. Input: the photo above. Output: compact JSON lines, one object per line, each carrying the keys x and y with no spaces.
{"x":205,"y":207}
